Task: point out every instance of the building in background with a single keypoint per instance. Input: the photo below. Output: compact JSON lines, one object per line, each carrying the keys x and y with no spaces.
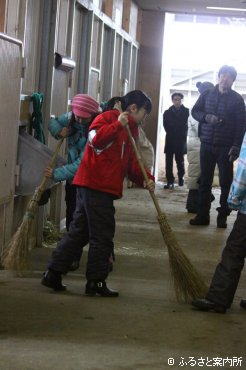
{"x":195,"y":47}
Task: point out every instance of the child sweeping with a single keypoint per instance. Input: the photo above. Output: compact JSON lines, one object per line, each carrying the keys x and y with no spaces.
{"x":74,"y":126}
{"x":107,"y":159}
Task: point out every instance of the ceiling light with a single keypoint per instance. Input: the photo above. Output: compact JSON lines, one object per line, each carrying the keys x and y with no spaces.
{"x":230,"y":9}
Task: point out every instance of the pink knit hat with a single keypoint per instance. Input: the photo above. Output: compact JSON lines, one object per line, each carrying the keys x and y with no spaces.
{"x":84,"y":106}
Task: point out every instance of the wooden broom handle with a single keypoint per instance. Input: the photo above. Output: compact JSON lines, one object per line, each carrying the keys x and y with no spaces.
{"x":51,"y":164}
{"x":140,"y":162}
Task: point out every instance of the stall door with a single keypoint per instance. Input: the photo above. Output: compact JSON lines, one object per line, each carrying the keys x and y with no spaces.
{"x":95,"y":64}
{"x":107,"y":63}
{"x":117,"y":88}
{"x":125,"y":72}
{"x":133,"y":69}
{"x":80,"y":51}
{"x":10,"y":88}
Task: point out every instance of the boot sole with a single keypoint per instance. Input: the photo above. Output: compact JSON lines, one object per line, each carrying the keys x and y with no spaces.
{"x":94,"y":294}
{"x":49,"y":285}
{"x":217,"y":309}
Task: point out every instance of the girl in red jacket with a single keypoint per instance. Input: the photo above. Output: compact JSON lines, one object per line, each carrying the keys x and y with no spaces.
{"x":107,"y":160}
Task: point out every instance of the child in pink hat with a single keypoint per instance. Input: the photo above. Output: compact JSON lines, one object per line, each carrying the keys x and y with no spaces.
{"x":74,"y":126}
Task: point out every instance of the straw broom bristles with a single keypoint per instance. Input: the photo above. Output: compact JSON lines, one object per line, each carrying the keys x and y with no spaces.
{"x":188,"y":283}
{"x":15,"y":255}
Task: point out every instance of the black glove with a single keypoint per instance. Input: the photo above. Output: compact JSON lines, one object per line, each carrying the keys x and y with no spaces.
{"x":45,"y":196}
{"x":211,"y":118}
{"x":234,"y":153}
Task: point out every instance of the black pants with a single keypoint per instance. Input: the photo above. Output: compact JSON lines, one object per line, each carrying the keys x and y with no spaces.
{"x":70,"y":200}
{"x":179,"y":158}
{"x":192,"y":201}
{"x":209,"y":157}
{"x":228,"y":271}
{"x":93,"y":223}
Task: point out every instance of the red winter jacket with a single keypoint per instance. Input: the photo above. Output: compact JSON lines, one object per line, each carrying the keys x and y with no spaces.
{"x":109,"y":156}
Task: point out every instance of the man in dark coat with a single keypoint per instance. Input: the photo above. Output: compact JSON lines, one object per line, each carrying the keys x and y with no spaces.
{"x":175,"y":122}
{"x":221,"y":114}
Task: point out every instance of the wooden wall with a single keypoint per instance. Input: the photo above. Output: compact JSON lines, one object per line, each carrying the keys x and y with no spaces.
{"x":150,"y":66}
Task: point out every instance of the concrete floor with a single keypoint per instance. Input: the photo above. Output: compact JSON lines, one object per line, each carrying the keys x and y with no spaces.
{"x":142,"y":328}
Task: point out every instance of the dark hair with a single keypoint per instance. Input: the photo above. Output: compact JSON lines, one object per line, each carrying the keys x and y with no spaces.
{"x":177,"y":94}
{"x":204,"y":86}
{"x":137,"y":97}
{"x":228,"y":69}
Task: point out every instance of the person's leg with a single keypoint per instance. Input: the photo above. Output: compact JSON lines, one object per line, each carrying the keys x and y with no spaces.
{"x":71,"y":195}
{"x":70,"y":200}
{"x":76,"y":238}
{"x":192,"y":201}
{"x":100,"y":213}
{"x":69,"y":246}
{"x":179,"y":158}
{"x":207,"y":162}
{"x":169,"y":171}
{"x":225,"y":178}
{"x":227,"y":274}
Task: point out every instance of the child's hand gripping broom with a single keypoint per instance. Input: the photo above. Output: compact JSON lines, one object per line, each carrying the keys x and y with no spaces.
{"x":15,"y":256}
{"x":188,"y":283}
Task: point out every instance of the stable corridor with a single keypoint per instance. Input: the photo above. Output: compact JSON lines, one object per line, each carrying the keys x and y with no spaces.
{"x":145,"y":326}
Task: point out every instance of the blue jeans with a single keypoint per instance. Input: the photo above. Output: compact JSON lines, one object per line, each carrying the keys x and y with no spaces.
{"x":211,"y":155}
{"x":93,"y":223}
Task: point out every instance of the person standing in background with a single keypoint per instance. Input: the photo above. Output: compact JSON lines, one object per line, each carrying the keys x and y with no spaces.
{"x":193,"y":155}
{"x":221,"y":116}
{"x":175,"y":122}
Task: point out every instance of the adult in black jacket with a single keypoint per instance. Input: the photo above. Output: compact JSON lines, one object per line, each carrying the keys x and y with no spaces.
{"x":175,"y":122}
{"x":221,"y":114}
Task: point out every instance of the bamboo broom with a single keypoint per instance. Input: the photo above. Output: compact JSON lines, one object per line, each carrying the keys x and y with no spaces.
{"x":15,"y":255}
{"x":188,"y":283}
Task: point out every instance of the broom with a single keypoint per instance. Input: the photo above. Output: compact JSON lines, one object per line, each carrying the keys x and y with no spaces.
{"x":15,"y":256}
{"x":188,"y":283}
